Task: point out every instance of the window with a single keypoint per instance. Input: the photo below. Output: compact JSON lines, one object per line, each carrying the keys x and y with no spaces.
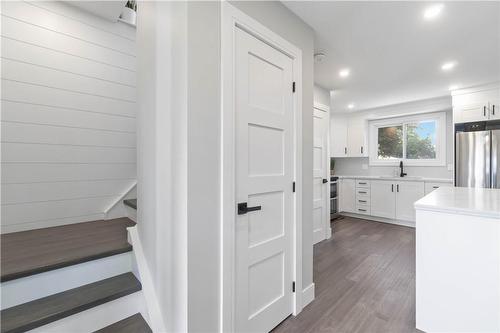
{"x":415,"y":140}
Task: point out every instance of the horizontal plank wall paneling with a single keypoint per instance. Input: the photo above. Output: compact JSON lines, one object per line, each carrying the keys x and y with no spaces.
{"x":68,"y":121}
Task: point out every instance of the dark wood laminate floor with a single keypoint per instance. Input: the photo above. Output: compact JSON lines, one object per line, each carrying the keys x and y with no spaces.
{"x":35,"y":251}
{"x":364,"y":280}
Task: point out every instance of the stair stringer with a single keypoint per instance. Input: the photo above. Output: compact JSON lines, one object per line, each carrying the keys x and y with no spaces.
{"x":143,"y":273}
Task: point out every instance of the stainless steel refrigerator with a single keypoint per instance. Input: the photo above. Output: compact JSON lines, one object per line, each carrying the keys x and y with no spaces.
{"x":477,"y":155}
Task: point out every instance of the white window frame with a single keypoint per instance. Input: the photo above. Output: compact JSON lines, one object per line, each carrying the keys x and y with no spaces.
{"x":440,"y":160}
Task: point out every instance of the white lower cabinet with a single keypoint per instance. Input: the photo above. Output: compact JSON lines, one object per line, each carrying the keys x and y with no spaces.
{"x":406,"y":195}
{"x":347,"y":195}
{"x":383,"y":199}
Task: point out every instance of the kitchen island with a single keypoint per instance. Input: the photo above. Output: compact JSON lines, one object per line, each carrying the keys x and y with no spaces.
{"x":458,"y":260}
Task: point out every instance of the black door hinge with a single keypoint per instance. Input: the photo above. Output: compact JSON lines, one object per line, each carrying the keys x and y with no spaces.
{"x":293,"y":286}
{"x":293,"y":87}
{"x":293,"y":187}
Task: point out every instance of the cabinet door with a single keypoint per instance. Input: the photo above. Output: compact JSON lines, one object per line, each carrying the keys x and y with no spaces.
{"x":495,"y":109}
{"x":383,"y":198}
{"x":347,"y":195}
{"x":356,"y":137}
{"x":406,"y":195}
{"x":338,"y":135}
{"x":476,"y":111}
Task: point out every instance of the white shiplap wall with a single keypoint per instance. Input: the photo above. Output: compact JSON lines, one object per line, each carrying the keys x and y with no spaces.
{"x":68,"y":97}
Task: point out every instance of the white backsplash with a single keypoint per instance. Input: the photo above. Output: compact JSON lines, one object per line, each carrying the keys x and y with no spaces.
{"x":359,"y":166}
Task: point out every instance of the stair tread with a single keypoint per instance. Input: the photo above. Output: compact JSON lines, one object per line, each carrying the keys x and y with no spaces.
{"x":131,"y":203}
{"x":35,"y":251}
{"x":27,"y":316}
{"x":132,"y":324}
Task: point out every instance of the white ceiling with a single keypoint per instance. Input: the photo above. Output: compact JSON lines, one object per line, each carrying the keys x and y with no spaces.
{"x":394,"y":55}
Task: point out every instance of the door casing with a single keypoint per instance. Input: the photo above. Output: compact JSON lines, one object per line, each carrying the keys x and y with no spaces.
{"x":232,"y":18}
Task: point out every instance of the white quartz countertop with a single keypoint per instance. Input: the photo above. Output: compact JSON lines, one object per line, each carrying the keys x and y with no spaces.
{"x":463,"y":201}
{"x":406,"y":178}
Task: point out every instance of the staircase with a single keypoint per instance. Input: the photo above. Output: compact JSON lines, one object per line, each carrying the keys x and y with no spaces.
{"x":72,"y":278}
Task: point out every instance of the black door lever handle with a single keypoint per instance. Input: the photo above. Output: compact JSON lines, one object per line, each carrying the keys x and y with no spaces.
{"x":325,"y":181}
{"x":243,"y":208}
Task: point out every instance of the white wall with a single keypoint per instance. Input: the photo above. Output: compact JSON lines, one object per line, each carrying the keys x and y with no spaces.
{"x":321,"y":95}
{"x":275,"y":16}
{"x":178,"y":158}
{"x":360,"y":165}
{"x":68,"y":114}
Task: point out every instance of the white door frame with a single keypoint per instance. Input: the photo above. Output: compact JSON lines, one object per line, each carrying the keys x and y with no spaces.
{"x":328,"y":228}
{"x":232,"y":18}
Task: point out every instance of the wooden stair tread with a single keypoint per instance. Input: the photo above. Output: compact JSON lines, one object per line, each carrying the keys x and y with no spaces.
{"x":131,"y":203}
{"x":27,"y":316}
{"x":132,"y":324}
{"x":35,"y":251}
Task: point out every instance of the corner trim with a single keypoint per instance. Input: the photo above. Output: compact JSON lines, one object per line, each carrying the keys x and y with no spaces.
{"x":308,"y":295}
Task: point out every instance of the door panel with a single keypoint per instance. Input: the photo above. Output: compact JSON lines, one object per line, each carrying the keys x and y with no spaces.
{"x":383,"y":198}
{"x":320,"y":171}
{"x":407,"y":194}
{"x":264,"y":176}
{"x":338,"y":134}
{"x":347,"y":195}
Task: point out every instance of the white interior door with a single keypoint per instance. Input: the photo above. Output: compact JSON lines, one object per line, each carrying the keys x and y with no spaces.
{"x":321,"y":216}
{"x":264,"y":177}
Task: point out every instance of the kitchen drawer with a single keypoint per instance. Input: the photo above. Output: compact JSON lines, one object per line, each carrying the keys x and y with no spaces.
{"x":362,"y":209}
{"x":363,"y":192}
{"x":363,"y":201}
{"x":429,"y":187}
{"x":362,"y":183}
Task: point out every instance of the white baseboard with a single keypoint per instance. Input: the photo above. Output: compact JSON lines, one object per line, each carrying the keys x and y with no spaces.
{"x":98,"y":317}
{"x":307,"y":295}
{"x":380,"y":219}
{"x":151,"y":300}
{"x":36,"y":286}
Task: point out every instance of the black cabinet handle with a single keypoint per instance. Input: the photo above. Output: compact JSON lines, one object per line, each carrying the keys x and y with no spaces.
{"x":361,"y":183}
{"x":243,"y":208}
{"x":325,"y":181}
{"x":362,"y":210}
{"x":361,"y":200}
{"x":345,"y":150}
{"x":397,"y":188}
{"x":392,"y":187}
{"x":484,"y":110}
{"x":435,"y":187}
{"x":493,"y":109}
{"x":362,"y":192}
{"x":361,"y":149}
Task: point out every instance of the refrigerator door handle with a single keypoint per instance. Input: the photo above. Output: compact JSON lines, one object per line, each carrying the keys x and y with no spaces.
{"x":495,"y":159}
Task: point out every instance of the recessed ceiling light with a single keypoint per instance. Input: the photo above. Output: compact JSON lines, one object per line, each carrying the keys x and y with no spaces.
{"x":433,"y":11}
{"x":448,"y":65}
{"x":350,"y":106}
{"x":344,"y":72}
{"x":453,"y":87}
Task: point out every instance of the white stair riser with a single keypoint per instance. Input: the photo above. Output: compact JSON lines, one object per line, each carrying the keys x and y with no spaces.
{"x":98,"y":317}
{"x":131,"y":213}
{"x":36,"y":286}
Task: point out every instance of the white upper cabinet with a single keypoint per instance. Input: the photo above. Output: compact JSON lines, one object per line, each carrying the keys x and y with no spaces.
{"x":469,"y":105}
{"x":338,"y":134}
{"x":356,"y":136}
{"x":406,"y":195}
{"x":348,"y":135}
